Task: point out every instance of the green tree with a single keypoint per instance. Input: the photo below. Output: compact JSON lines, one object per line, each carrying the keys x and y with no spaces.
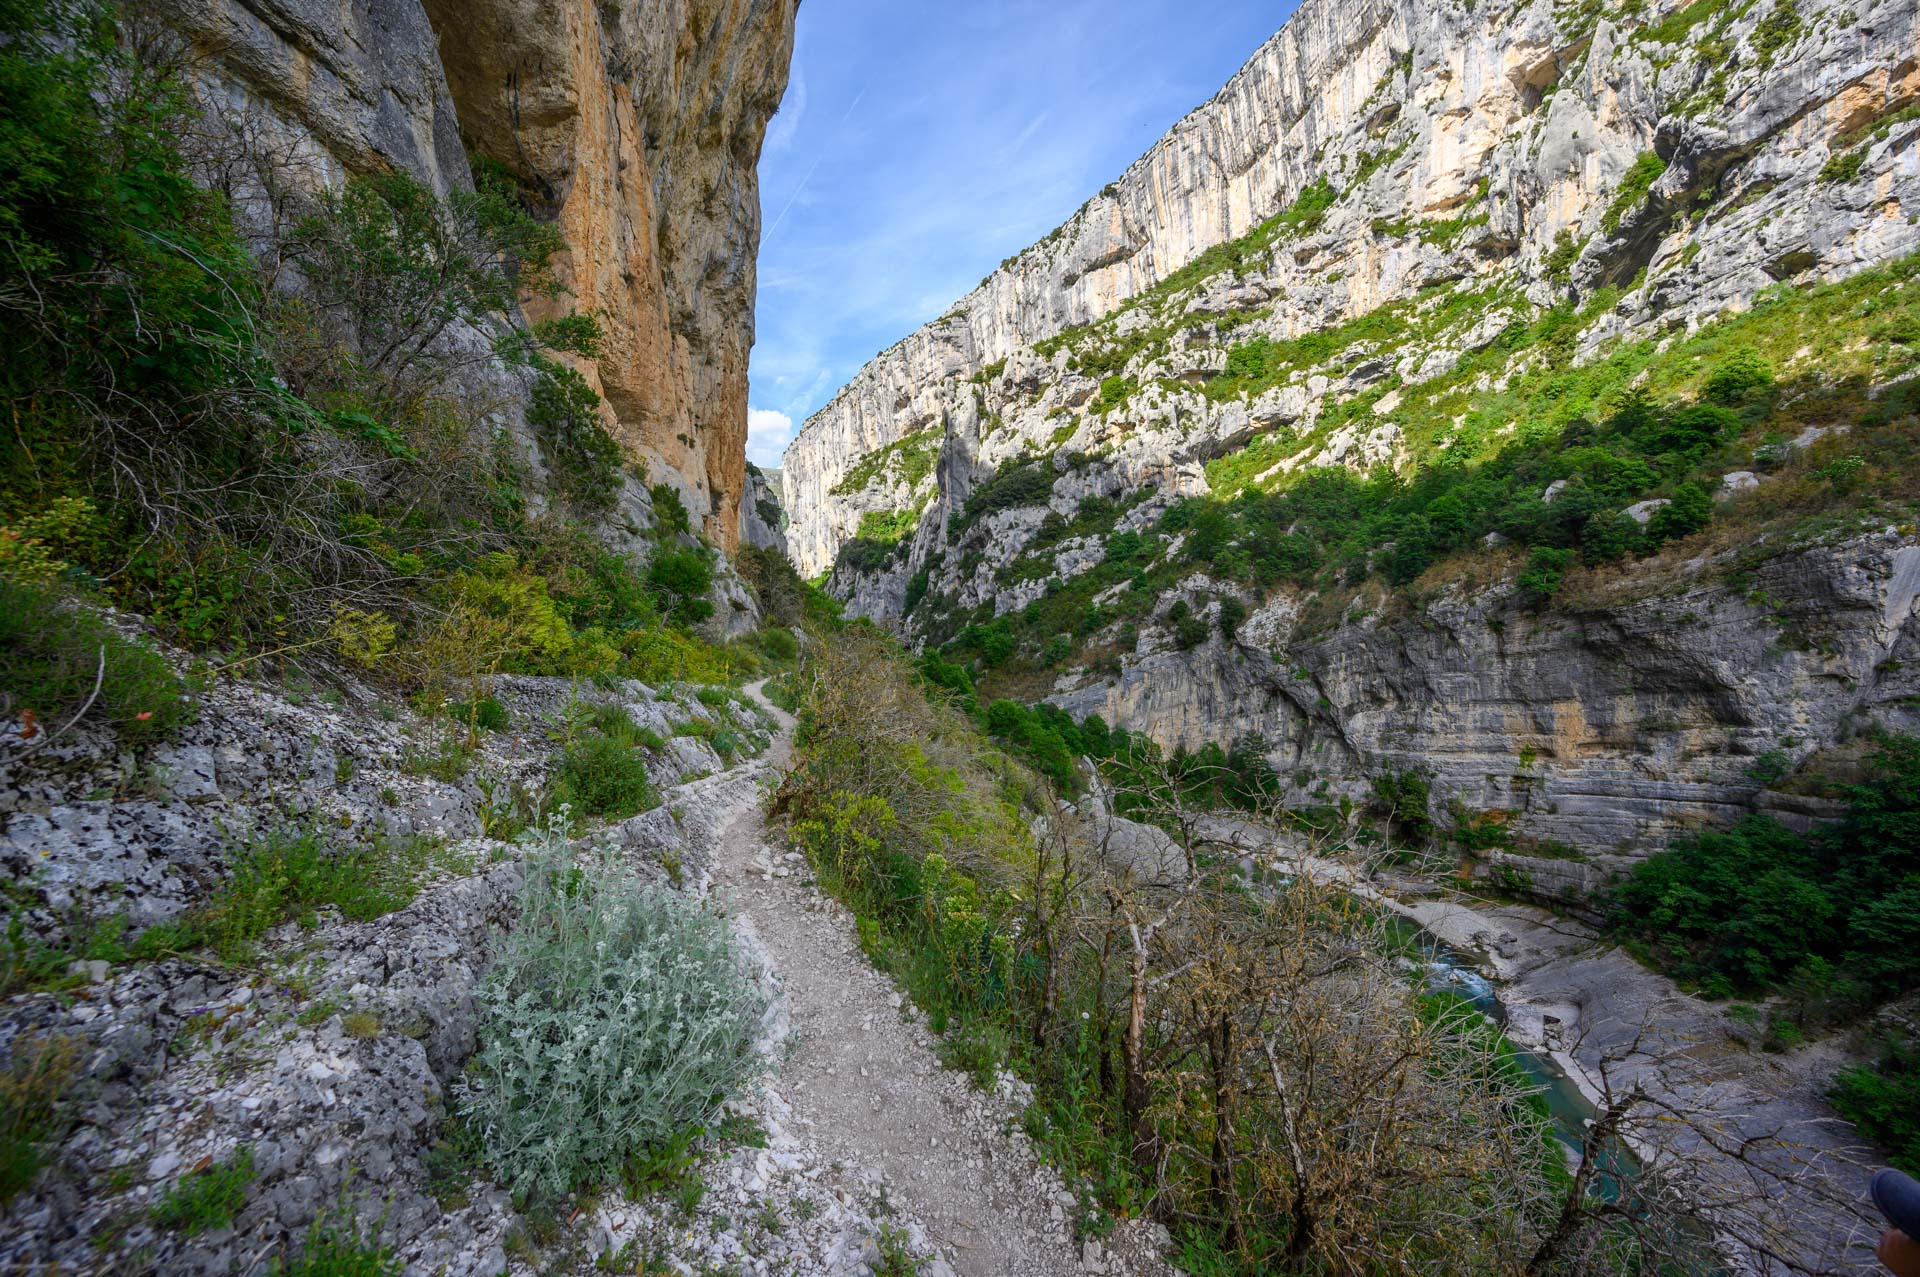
{"x":682,"y":580}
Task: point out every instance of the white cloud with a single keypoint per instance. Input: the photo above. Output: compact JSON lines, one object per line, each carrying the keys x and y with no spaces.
{"x":768,"y":433}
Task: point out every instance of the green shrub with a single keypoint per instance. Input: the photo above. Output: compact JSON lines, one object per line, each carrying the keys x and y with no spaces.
{"x":669,"y":512}
{"x":1036,"y":735}
{"x":403,"y":266}
{"x":1759,"y":906}
{"x":778,"y":643}
{"x":1189,"y":632}
{"x":1559,"y":261}
{"x":1779,"y":29}
{"x":486,"y":714}
{"x":1543,"y":575}
{"x":1022,"y":481}
{"x":681,"y":580}
{"x":53,"y":649}
{"x":616,"y":1016}
{"x":1690,"y":510}
{"x":948,"y":676}
{"x":1114,"y":391}
{"x":1126,"y":547}
{"x":1743,"y":380}
{"x":335,"y":1247}
{"x":1610,"y":537}
{"x":1639,"y":178}
{"x":1770,"y":768}
{"x":34,"y":1086}
{"x":287,"y":874}
{"x":1232,"y":613}
{"x":605,"y":776}
{"x":1883,"y":1100}
{"x":209,"y":1199}
{"x":1843,"y":167}
{"x":615,"y":723}
{"x":1405,"y":801}
{"x":864,"y":555}
{"x":1744,"y":903}
{"x":889,"y":527}
{"x":564,"y":412}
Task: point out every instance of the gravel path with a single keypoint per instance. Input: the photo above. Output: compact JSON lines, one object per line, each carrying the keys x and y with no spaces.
{"x":863,"y":1081}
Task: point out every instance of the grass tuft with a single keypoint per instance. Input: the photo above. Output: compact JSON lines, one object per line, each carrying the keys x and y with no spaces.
{"x":207,"y":1200}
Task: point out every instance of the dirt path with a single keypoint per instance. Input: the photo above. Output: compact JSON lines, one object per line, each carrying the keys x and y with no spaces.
{"x":865,"y":1083}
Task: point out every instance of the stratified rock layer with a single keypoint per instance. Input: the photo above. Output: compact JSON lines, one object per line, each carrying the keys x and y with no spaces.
{"x":1595,"y":732}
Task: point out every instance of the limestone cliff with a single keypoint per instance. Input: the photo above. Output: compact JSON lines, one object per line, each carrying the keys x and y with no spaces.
{"x":763,"y":522}
{"x":1589,"y":734}
{"x":1352,"y":258}
{"x":638,"y":125}
{"x":642,"y":124}
{"x":1463,"y":140}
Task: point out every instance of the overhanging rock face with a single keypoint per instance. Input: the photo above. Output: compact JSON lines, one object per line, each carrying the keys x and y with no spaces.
{"x":639,"y":126}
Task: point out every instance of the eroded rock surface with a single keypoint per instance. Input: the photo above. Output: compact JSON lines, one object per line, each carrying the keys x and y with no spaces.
{"x":638,"y":126}
{"x":1449,"y":171}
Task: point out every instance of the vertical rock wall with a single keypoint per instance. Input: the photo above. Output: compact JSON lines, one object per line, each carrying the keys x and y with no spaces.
{"x":638,"y":122}
{"x":641,"y":123}
{"x":1517,"y":119}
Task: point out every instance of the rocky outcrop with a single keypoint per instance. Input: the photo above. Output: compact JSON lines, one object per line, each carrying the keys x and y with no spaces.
{"x":642,"y":125}
{"x":763,"y":520}
{"x":637,"y":126}
{"x":1498,"y":144}
{"x":1581,"y":737}
{"x":1377,"y":205}
{"x":330,"y":1060}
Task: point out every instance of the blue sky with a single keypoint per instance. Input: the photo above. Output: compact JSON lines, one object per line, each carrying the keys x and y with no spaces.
{"x":923,"y":141}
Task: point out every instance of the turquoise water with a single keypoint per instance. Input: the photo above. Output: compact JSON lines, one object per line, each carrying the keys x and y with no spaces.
{"x":1449,"y":971}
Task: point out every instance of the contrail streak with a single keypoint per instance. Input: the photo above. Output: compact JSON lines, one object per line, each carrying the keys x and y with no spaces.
{"x":768,"y":234}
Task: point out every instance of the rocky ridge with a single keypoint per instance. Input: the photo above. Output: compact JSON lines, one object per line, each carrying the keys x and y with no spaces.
{"x":1494,"y":144}
{"x":763,"y":523}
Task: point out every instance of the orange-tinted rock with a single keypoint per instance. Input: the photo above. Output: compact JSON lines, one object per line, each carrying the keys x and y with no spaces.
{"x":642,"y":126}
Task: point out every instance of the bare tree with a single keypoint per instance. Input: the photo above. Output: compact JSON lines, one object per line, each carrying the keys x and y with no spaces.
{"x":1672,"y":1171}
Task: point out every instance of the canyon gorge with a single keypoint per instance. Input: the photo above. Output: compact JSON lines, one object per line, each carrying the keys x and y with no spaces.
{"x":1384,"y":197}
{"x":1353,"y":708}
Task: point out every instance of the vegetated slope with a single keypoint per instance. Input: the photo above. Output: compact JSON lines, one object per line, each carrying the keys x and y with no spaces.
{"x":1404,"y":477}
{"x":1223,"y":1030}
